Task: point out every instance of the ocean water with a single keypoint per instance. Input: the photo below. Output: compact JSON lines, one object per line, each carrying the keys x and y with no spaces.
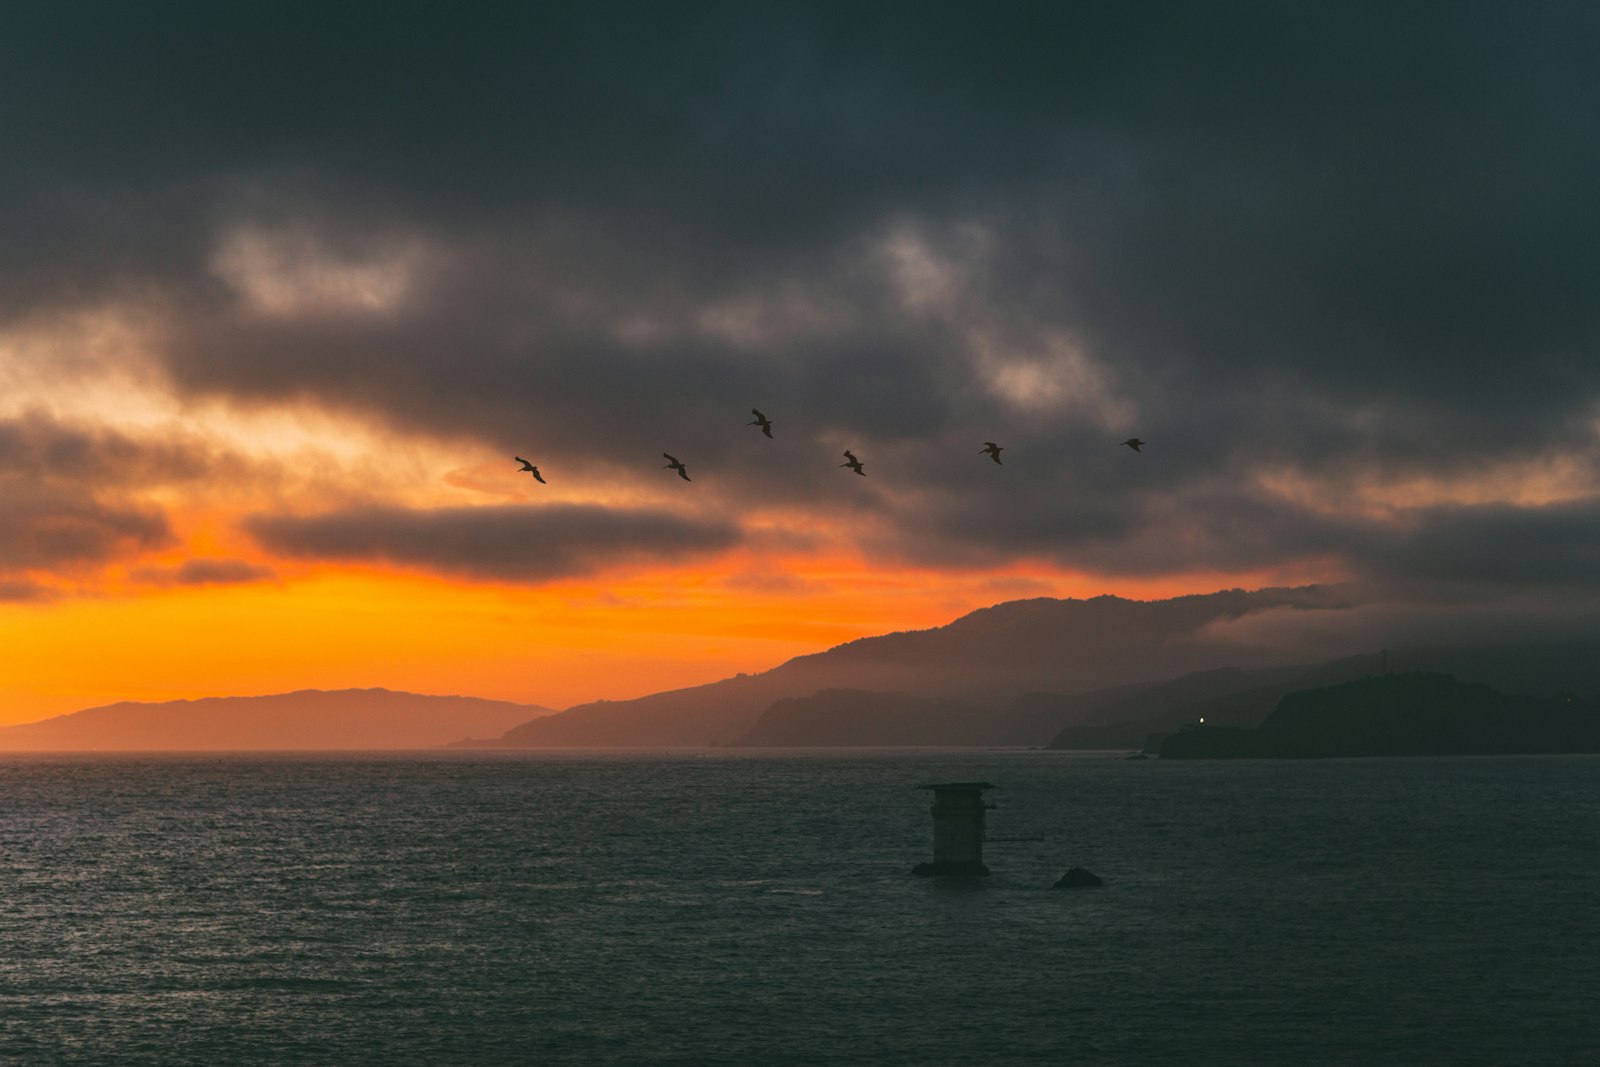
{"x":756,"y":908}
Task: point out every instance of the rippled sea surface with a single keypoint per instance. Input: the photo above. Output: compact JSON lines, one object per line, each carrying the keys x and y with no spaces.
{"x":756,"y":908}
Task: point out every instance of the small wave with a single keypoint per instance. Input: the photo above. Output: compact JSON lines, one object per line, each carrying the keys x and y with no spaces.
{"x":289,"y":984}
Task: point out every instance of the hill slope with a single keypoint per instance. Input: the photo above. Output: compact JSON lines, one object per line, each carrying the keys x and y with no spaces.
{"x":1415,"y":714}
{"x":858,"y":717}
{"x":987,"y":658}
{"x":1234,"y":698}
{"x":1226,"y":696}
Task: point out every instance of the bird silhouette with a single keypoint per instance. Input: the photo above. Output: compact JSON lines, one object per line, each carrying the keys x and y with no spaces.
{"x":761,"y":421}
{"x":854,"y":463}
{"x":673,"y":464}
{"x":1134,"y":443}
{"x":531,"y":469}
{"x":992,"y":449}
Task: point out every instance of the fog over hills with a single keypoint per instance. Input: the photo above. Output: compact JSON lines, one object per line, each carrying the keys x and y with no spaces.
{"x":1102,"y":672}
{"x":306,"y":720}
{"x":987,"y":658}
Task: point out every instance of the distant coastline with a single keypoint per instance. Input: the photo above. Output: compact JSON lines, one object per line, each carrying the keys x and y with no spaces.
{"x":1412,"y":714}
{"x":306,"y":720}
{"x":1105,"y":673}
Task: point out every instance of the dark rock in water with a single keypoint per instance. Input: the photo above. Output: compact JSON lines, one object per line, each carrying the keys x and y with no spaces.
{"x":966,"y":868}
{"x":1078,"y":878}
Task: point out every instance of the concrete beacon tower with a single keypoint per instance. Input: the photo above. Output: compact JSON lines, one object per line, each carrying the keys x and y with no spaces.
{"x":958,"y":813}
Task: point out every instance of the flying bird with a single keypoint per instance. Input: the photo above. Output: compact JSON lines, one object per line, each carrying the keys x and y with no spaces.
{"x":992,"y":449}
{"x":1134,"y":443}
{"x":854,"y":463}
{"x":531,"y":469}
{"x":673,"y":464}
{"x":761,"y":421}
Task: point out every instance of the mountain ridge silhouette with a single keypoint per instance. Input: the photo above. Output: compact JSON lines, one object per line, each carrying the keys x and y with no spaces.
{"x":303,"y":720}
{"x":987,"y":657}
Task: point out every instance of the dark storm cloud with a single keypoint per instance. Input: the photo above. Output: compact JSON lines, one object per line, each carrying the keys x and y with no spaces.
{"x":526,"y":363}
{"x":206,"y":572}
{"x":1556,"y":546}
{"x":66,"y":496}
{"x":39,"y":447}
{"x":508,"y":543}
{"x":1138,"y":532}
{"x":1320,"y":237}
{"x":20,"y":590}
{"x":48,"y":528}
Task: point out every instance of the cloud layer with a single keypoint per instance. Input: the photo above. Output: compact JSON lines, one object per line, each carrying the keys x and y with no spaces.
{"x":65,"y":507}
{"x":1291,"y":245}
{"x":510,"y":543}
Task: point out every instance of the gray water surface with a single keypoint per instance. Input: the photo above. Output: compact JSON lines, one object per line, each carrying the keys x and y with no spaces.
{"x":750,"y":907}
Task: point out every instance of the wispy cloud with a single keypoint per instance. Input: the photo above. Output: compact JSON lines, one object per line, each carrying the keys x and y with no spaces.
{"x":206,"y":572}
{"x":21,"y":590}
{"x":507,"y":543}
{"x":44,"y":528}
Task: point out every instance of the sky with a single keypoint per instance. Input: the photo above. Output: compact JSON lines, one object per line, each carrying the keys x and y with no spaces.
{"x":284,"y":288}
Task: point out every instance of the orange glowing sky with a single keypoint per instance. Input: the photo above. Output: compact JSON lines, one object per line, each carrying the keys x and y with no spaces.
{"x":131,"y":628}
{"x":206,"y":609}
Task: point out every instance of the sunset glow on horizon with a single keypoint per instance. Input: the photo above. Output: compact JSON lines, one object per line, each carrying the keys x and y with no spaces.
{"x":272,"y":330}
{"x":214,"y":615}
{"x":181,"y":593}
